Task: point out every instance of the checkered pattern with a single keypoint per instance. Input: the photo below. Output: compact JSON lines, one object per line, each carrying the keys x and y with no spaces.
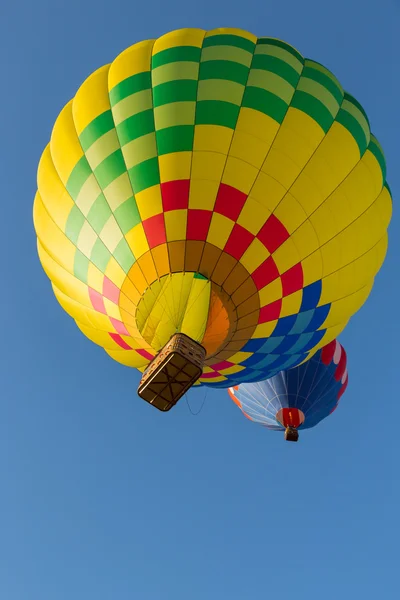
{"x":224,"y":155}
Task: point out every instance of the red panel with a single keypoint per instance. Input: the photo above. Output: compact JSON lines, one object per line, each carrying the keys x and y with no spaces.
{"x":343,"y":389}
{"x":292,"y":280}
{"x":175,"y":194}
{"x":327,"y":352}
{"x":271,"y":312}
{"x":238,"y":241}
{"x":273,"y":234}
{"x":154,"y":228}
{"x":110,"y":290}
{"x":222,"y":365}
{"x":97,"y":301}
{"x":290,"y":417}
{"x":145,"y":354}
{"x":118,"y":340}
{"x":265,"y":273}
{"x":210,"y":375}
{"x":198,"y":224}
{"x":230,"y":201}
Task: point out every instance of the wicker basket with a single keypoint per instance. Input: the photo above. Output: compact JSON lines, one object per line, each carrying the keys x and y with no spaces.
{"x":172,"y":372}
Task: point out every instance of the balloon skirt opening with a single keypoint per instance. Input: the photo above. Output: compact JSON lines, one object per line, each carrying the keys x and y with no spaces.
{"x":291,"y":434}
{"x":172,"y":372}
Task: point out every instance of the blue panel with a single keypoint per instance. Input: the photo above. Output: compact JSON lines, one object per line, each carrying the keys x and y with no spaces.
{"x":287,"y":343}
{"x":311,"y":295}
{"x":284,"y":325}
{"x":271,"y":344}
{"x":302,"y":343}
{"x":302,"y":321}
{"x":254,"y":345}
{"x":319,"y":317}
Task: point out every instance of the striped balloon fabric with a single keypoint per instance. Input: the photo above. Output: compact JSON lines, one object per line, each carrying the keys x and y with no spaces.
{"x":300,"y":397}
{"x":218,"y":185}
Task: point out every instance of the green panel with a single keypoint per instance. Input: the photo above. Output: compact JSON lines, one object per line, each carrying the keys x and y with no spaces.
{"x":110,"y":168}
{"x":280,"y":44}
{"x":129,"y":86}
{"x":144,"y":175}
{"x":78,"y":176}
{"x":74,"y":224}
{"x":265,"y":102}
{"x":98,"y":127}
{"x":175,"y":139}
{"x":135,"y":126}
{"x":183,"y":90}
{"x":224,"y":69}
{"x":214,"y":112}
{"x":127,"y":215}
{"x":354,"y":127}
{"x":376,"y":149}
{"x":180,"y":53}
{"x":267,"y":62}
{"x":324,"y":80}
{"x":227,"y":39}
{"x":123,"y":255}
{"x":99,"y":214}
{"x":314,"y":108}
{"x":81,"y":266}
{"x":100,"y":256}
{"x":356,"y":103}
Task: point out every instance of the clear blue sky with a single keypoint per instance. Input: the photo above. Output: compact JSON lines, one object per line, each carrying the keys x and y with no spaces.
{"x":101,"y":496}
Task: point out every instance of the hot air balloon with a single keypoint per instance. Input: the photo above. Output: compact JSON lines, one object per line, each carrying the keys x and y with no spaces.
{"x":211,"y":208}
{"x":299,"y":397}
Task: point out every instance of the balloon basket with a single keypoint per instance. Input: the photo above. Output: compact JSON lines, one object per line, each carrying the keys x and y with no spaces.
{"x":172,"y":372}
{"x":291,"y":434}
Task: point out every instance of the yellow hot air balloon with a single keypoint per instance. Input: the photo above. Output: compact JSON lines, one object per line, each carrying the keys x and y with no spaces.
{"x":216,"y":185}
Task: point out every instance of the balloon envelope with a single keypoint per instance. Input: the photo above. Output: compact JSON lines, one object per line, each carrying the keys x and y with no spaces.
{"x":300,"y":397}
{"x":219,"y":185}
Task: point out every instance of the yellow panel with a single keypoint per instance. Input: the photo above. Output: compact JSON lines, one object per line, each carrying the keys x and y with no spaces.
{"x":101,"y":338}
{"x":286,"y":256}
{"x":342,"y":309}
{"x":291,"y":304}
{"x":118,"y":191}
{"x":264,"y":330}
{"x":271,"y":292}
{"x":232,"y":370}
{"x":139,"y":150}
{"x":331,"y":254}
{"x":239,"y":174}
{"x":220,"y":230}
{"x":87,"y":239}
{"x":63,"y":280}
{"x":232,"y":31}
{"x":137,"y":240}
{"x":180,"y":37}
{"x":115,"y":273}
{"x":254,"y":256}
{"x":214,"y":379}
{"x":175,"y":224}
{"x":180,"y":113}
{"x":258,"y":125}
{"x":312,"y":268}
{"x":239,"y":357}
{"x":305,"y":240}
{"x":175,"y":166}
{"x":136,"y":59}
{"x":111,"y":234}
{"x":203,"y":193}
{"x":65,"y":148}
{"x":374,"y":167}
{"x":56,"y":243}
{"x":328,"y":220}
{"x":220,"y":89}
{"x":267,"y":191}
{"x":290,"y":213}
{"x":91,"y":100}
{"x":230,"y":53}
{"x":212,"y":138}
{"x":112,"y":309}
{"x":80,"y":313}
{"x":331,"y":334}
{"x":249,"y":148}
{"x":126,"y":108}
{"x":208,"y":165}
{"x":302,"y":126}
{"x":95,"y":278}
{"x":102,"y":148}
{"x":88,"y":194}
{"x":197,"y":309}
{"x":149,"y":202}
{"x":129,"y":358}
{"x":253,"y":215}
{"x":54,"y":196}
